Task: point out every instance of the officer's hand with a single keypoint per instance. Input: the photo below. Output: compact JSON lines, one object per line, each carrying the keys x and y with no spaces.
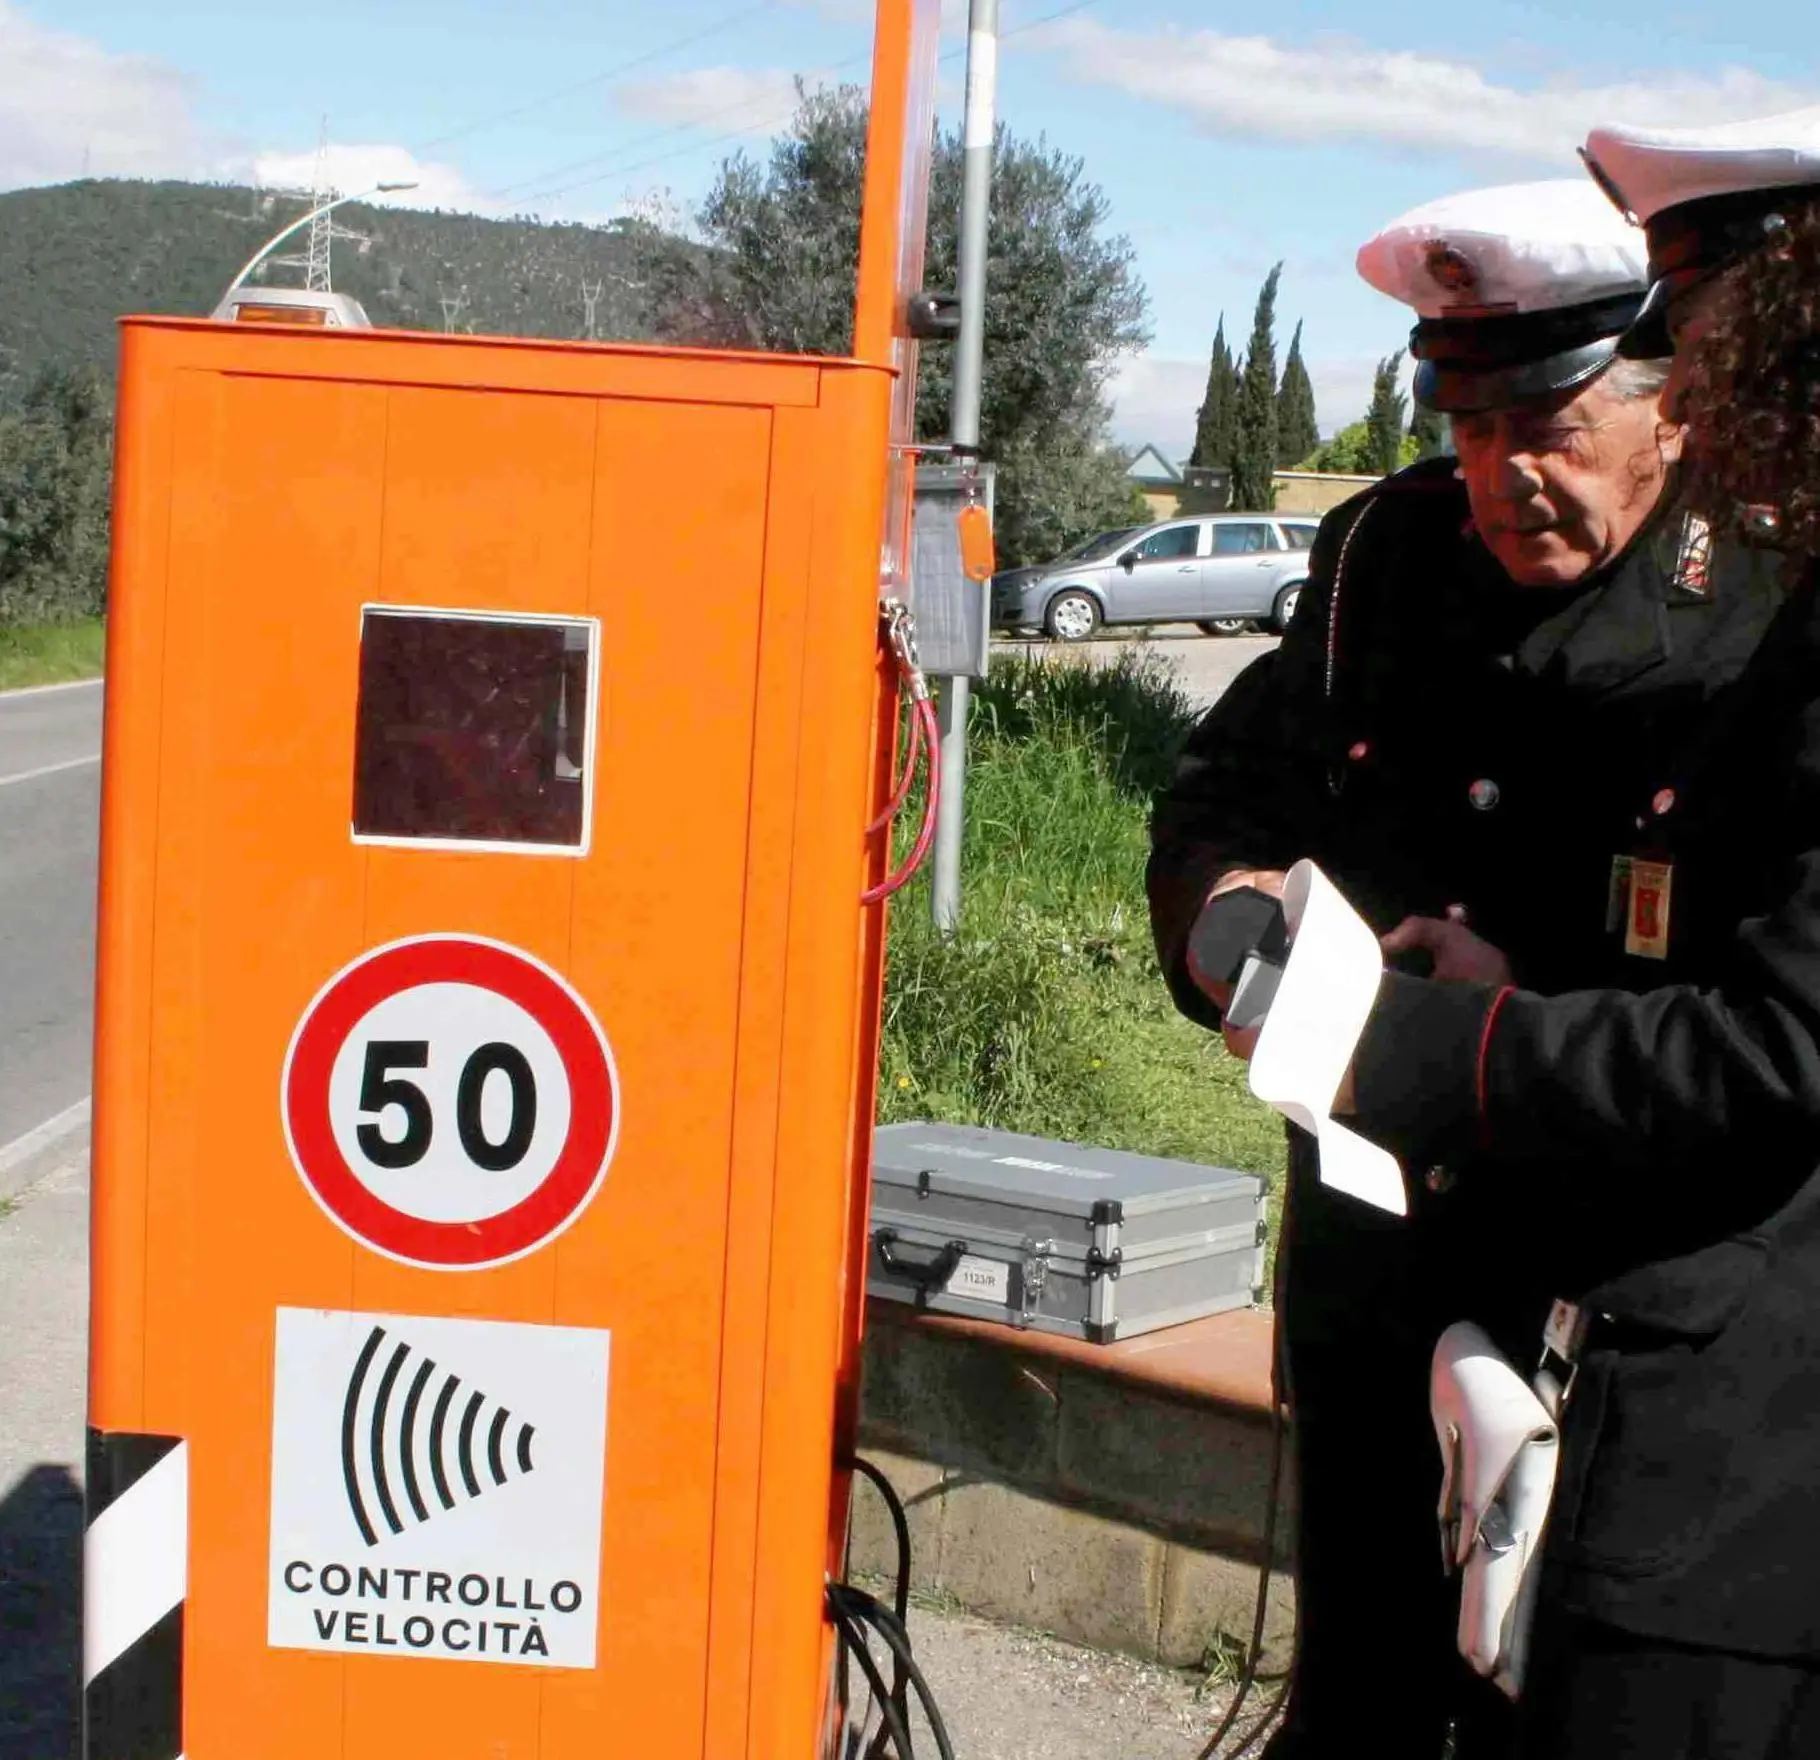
{"x":1459,"y":956}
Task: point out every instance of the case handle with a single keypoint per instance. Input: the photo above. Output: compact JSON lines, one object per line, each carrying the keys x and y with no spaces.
{"x":927,"y":1274}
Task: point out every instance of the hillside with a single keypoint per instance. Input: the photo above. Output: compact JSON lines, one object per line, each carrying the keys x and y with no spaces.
{"x":75,"y":256}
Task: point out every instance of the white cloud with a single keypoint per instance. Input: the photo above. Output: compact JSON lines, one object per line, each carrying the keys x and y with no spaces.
{"x":350,"y":169}
{"x":1252,"y":87}
{"x":68,"y":106}
{"x":1155,"y":398}
{"x":733,"y":97}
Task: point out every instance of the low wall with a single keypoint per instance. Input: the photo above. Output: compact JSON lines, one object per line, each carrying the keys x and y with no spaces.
{"x":1080,"y":1491}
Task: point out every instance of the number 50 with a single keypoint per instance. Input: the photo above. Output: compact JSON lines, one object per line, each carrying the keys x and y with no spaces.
{"x":379,"y":1088}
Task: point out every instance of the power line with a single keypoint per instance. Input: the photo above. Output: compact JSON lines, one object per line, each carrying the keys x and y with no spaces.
{"x":746,"y":128}
{"x":727,"y":23}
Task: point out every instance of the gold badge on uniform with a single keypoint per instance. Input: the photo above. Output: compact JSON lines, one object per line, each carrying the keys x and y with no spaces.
{"x":1646,"y":921}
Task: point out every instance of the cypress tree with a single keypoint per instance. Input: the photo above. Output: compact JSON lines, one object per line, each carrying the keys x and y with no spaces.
{"x":1254,"y":448}
{"x":1384,"y":419}
{"x":1213,"y":425}
{"x":1297,"y":432}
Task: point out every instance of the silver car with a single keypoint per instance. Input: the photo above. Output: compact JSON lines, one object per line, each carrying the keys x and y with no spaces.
{"x":1224,"y":572}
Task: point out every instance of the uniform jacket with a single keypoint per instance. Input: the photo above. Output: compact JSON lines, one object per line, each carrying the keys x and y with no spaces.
{"x":1642,"y":1132}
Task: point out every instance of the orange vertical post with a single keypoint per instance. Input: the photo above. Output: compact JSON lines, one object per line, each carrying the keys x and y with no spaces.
{"x":486,"y":1026}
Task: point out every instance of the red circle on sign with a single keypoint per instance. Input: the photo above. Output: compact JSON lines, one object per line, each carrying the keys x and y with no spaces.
{"x":563,"y":1193}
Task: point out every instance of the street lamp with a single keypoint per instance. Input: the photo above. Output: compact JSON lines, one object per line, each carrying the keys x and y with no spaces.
{"x":297,"y":225}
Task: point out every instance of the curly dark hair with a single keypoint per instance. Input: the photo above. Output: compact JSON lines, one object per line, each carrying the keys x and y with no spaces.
{"x":1752,"y":398}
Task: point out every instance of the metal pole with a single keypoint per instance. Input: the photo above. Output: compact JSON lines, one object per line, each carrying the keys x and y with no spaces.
{"x":969,"y":365}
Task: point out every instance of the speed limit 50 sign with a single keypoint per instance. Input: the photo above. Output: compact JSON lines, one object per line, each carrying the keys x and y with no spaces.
{"x":450,"y":1101}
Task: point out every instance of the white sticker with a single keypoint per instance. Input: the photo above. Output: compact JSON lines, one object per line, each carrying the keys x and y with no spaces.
{"x":980,"y":1280}
{"x":437,"y":1488}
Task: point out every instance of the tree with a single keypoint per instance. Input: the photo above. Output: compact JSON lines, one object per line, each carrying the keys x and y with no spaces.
{"x":1349,"y":453}
{"x":55,"y":453}
{"x":1254,"y":450}
{"x":1298,"y":434}
{"x":1385,"y":417}
{"x":1064,"y":302}
{"x":1213,"y":432}
{"x":1428,"y":431}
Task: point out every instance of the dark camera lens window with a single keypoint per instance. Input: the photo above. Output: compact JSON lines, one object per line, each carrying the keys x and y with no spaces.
{"x":473,"y":729}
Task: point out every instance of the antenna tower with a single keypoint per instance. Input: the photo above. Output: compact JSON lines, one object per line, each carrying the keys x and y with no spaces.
{"x":315,"y":262}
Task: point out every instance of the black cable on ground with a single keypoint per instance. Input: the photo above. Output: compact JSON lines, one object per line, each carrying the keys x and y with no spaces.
{"x":900,"y":1596}
{"x":853,"y":1639}
{"x":866,"y":1610}
{"x":1282,"y":1397}
{"x":1261,"y":1609}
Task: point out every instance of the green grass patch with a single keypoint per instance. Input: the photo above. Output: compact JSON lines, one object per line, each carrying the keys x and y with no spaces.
{"x":50,"y":653}
{"x":1046,"y":1012}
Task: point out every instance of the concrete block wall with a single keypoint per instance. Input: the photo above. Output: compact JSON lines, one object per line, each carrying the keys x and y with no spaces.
{"x":1102,"y":1509}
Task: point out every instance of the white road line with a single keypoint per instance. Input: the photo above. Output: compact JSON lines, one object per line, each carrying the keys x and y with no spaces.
{"x":44,"y":690}
{"x":43,"y":1136}
{"x":50,"y":769}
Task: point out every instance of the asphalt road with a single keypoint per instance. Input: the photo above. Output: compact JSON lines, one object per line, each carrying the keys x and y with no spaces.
{"x":50,"y":746}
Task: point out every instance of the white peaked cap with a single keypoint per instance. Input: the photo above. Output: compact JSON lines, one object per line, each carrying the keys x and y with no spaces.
{"x":1653,"y":169}
{"x":1521,"y":247}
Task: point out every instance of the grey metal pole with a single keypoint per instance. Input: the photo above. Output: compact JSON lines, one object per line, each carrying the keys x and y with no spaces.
{"x":980,"y":121}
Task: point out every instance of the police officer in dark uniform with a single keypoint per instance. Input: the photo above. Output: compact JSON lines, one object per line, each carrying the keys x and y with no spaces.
{"x":1466,"y":726}
{"x":1667,"y":1133}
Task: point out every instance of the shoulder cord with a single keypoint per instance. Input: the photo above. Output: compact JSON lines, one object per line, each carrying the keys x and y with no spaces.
{"x":1333,"y":621}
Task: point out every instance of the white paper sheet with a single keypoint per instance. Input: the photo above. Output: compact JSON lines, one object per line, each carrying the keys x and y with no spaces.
{"x":1313,"y":1028}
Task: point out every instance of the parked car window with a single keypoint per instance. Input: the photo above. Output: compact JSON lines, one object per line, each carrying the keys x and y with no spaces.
{"x":1097,"y":548}
{"x":1300,"y":537}
{"x":1172,"y":541}
{"x":1240,"y":540}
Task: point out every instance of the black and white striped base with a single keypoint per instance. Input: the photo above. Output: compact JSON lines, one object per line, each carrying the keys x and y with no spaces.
{"x":134,"y":1580}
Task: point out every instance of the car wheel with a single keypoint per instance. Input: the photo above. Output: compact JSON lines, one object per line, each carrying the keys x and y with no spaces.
{"x":1285,"y":606}
{"x":1224,"y":626}
{"x":1072,"y":616}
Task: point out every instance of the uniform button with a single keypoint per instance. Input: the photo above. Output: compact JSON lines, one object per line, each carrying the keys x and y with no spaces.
{"x":1361,"y":750}
{"x":1484,"y":794}
{"x":1664,"y":802}
{"x":1438,"y":1180}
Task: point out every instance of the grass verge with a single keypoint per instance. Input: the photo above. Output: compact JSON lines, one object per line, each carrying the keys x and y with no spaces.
{"x":50,"y":653}
{"x":1046,"y":1012}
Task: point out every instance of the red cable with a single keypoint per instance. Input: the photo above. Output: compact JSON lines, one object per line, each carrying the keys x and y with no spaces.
{"x":931,"y":749}
{"x":901,"y":793}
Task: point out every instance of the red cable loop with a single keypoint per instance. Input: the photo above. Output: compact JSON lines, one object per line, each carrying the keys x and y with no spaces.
{"x":923,"y":716}
{"x":901,"y":793}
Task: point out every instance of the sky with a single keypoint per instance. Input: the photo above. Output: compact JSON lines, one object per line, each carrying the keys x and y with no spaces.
{"x":1226,"y":138}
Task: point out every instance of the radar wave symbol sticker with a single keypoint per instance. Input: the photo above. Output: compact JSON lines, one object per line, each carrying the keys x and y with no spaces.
{"x":438,"y":1488}
{"x":452,"y":1425}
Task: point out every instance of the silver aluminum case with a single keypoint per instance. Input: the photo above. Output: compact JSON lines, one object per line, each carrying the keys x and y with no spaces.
{"x":1061,"y":1237}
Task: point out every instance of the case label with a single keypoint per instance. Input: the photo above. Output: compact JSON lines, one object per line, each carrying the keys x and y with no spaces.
{"x":980,"y":1280}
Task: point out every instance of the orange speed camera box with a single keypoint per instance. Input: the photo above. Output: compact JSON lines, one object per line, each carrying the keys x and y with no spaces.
{"x":490,"y":737}
{"x":487,"y":1027}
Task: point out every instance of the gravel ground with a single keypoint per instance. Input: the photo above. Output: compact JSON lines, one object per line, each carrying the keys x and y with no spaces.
{"x":1007,"y":1694}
